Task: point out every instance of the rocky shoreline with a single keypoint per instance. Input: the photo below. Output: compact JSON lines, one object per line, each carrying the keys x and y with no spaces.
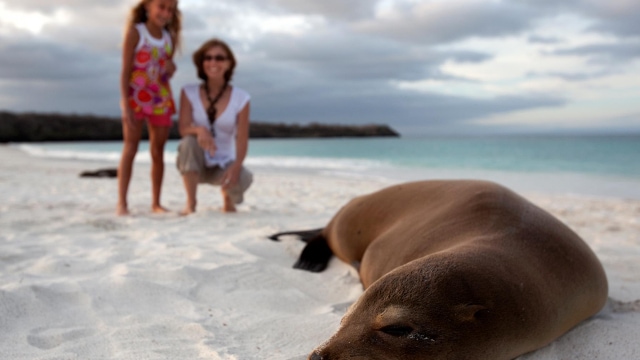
{"x":32,"y":127}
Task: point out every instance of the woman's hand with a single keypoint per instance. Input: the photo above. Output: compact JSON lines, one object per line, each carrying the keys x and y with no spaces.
{"x":206,"y":141}
{"x":231,"y":176}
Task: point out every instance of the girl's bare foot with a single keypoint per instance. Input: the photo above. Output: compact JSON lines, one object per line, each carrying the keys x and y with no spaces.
{"x":122,"y":210}
{"x":158,"y":209}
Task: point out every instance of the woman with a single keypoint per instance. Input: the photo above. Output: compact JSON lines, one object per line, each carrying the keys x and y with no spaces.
{"x":214,"y":125}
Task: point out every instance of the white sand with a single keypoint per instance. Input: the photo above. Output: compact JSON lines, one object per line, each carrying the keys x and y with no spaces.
{"x":77,"y":282}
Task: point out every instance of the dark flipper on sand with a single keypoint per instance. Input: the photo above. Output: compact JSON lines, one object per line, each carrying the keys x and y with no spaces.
{"x":101,"y":173}
{"x":304,"y":235}
{"x":316,"y":254}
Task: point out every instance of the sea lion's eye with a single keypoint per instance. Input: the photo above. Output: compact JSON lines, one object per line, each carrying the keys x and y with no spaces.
{"x":402,"y":331}
{"x":397,"y":330}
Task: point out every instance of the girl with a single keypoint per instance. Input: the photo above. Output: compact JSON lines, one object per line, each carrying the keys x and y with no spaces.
{"x":147,"y":65}
{"x":214,"y":124}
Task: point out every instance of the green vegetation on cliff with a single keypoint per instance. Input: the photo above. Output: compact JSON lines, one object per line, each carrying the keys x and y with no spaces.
{"x":28,"y":127}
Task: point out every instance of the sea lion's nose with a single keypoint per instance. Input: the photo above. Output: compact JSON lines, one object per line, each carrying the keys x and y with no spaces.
{"x":316,"y":356}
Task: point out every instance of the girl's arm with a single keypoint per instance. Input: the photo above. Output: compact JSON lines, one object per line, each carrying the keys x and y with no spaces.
{"x":187,"y":127}
{"x":128,"y":52}
{"x":232,"y":175}
{"x":171,"y":65}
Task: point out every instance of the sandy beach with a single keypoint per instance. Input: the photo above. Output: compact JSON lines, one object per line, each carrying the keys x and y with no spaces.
{"x":78,"y":282}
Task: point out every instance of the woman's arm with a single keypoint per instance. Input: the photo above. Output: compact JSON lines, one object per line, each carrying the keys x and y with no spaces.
{"x":232,"y":175}
{"x":187,"y":126}
{"x":128,"y":52}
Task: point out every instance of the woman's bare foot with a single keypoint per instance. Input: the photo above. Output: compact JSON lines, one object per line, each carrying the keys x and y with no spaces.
{"x":158,"y":209}
{"x":229,"y":209}
{"x":188,"y":209}
{"x":229,"y":206}
{"x":121,"y":210}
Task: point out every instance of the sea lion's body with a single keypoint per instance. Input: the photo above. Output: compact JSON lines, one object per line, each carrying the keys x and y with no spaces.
{"x":458,"y":270}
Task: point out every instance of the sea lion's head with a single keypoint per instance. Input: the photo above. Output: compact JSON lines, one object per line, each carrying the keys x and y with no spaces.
{"x":417,"y":312}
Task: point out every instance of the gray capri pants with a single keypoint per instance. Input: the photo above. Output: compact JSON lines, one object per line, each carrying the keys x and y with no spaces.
{"x":191,"y":158}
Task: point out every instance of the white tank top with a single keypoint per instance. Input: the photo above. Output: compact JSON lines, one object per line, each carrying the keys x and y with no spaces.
{"x":225,"y":125}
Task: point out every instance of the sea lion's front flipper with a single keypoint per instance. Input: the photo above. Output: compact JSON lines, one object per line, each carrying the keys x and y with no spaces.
{"x":315,"y":256}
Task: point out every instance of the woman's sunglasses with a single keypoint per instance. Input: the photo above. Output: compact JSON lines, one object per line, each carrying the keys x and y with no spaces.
{"x":218,"y":58}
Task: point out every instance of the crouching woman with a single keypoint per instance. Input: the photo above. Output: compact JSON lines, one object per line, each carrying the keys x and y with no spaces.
{"x":214,"y":125}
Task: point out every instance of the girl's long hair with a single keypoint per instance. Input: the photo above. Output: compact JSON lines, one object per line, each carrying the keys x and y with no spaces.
{"x":139,"y":14}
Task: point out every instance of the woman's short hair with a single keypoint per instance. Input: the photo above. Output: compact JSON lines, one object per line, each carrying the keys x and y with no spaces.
{"x":198,"y":58}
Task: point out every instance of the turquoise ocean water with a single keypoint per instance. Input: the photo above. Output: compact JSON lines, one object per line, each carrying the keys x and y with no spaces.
{"x":594,"y":165}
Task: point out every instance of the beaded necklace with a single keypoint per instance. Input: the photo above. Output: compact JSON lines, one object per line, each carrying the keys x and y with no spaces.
{"x":211,"y":111}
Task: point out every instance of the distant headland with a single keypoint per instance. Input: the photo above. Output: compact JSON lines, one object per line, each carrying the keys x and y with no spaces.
{"x":30,"y":127}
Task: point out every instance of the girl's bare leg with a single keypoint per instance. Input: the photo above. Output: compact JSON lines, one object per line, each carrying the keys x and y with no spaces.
{"x":131,"y":135}
{"x":190,"y":180}
{"x":158,"y":136}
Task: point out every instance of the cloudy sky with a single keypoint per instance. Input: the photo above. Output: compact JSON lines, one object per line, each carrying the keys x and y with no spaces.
{"x":421,"y":66}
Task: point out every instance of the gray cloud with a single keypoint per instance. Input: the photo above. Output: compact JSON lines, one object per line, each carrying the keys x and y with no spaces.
{"x":438,"y":23}
{"x":340,"y":9}
{"x":614,"y":17}
{"x":627,"y":26}
{"x":575,"y":76}
{"x":349,"y":57}
{"x":39,"y":60}
{"x":49,"y":7}
{"x":301,"y":97}
{"x":534,"y":39}
{"x":71,"y":97}
{"x":605,"y":53}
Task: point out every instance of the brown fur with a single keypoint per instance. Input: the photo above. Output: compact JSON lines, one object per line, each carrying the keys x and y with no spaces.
{"x":458,"y":270}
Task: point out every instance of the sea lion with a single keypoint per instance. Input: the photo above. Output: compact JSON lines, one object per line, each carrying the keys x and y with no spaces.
{"x":457,"y":269}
